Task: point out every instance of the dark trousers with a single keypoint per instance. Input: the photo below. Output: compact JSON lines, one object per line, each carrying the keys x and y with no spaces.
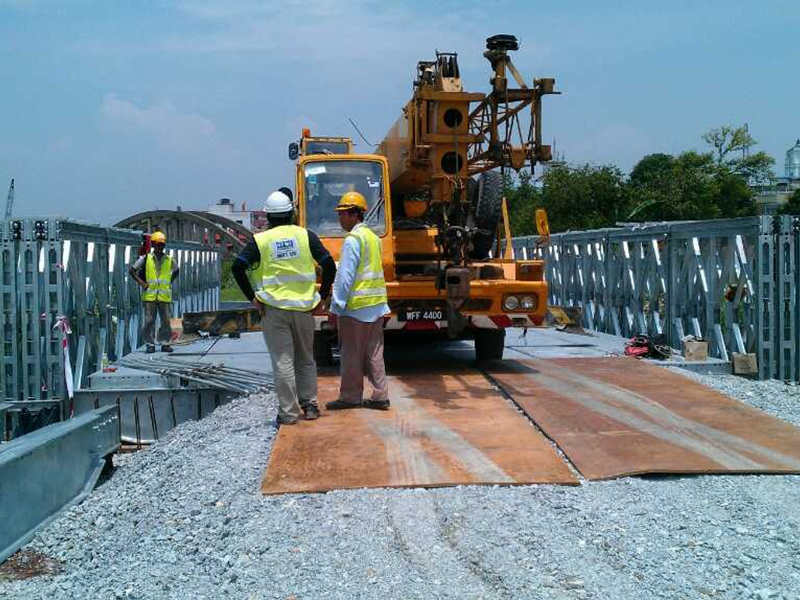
{"x":164,"y":312}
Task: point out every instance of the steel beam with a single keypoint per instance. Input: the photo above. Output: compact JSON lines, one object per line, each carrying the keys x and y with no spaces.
{"x":47,"y":471}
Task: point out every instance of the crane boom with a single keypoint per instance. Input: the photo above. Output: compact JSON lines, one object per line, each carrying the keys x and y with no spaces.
{"x":10,"y":200}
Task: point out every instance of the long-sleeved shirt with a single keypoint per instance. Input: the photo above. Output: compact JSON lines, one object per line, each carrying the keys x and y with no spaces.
{"x":345,"y":277}
{"x":251,"y":256}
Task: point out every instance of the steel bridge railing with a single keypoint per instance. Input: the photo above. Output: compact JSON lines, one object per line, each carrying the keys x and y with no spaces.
{"x":732,"y":282}
{"x":66,"y":282}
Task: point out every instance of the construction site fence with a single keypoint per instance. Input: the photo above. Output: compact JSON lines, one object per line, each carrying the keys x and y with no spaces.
{"x":731,"y":282}
{"x":66,"y":284}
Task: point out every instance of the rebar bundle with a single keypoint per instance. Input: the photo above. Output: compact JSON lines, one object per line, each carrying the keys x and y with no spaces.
{"x":213,"y":375}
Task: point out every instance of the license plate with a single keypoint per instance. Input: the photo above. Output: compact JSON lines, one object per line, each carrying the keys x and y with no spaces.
{"x":421,"y":315}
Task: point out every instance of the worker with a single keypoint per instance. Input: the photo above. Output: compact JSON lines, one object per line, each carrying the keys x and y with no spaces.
{"x":359,"y":305}
{"x":155,"y":272}
{"x":284,"y":255}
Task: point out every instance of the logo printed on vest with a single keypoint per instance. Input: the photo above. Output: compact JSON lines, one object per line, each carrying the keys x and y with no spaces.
{"x":285,"y":249}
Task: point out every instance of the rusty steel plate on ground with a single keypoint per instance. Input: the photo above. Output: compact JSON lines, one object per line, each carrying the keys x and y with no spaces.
{"x":447,"y":426}
{"x":617,"y":416}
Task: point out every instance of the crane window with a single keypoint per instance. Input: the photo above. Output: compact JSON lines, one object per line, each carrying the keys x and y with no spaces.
{"x":327,"y":181}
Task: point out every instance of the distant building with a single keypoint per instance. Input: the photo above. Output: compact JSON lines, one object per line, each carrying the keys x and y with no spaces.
{"x":254,"y":220}
{"x":770,"y":197}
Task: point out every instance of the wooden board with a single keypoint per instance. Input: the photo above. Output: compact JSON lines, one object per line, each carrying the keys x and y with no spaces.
{"x":618,"y":416}
{"x":447,"y":426}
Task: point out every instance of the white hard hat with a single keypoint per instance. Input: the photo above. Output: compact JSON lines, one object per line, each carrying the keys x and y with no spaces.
{"x":278,"y":202}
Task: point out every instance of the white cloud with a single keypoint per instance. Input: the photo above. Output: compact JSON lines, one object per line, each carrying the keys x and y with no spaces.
{"x":327,"y":31}
{"x":163,"y":123}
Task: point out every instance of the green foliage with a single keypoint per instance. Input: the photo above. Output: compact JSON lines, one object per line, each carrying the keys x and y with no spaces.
{"x":583,"y":197}
{"x":666,"y":188}
{"x":792,"y":207}
{"x":229,"y":289}
{"x":661,"y":187}
{"x":728,"y":142}
{"x":735,"y":199}
{"x":523,"y":199}
{"x":728,"y":139}
{"x":756,"y":168}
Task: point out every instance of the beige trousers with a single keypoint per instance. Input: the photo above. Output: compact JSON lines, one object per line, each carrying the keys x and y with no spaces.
{"x":361,"y":346}
{"x":164,"y":312}
{"x":289,"y":335}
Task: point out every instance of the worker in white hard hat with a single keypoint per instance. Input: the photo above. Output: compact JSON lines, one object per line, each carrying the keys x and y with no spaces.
{"x":155,"y":272}
{"x":284,"y":258}
{"x":359,"y":304}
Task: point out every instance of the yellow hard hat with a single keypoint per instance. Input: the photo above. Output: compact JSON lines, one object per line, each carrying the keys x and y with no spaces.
{"x":352,"y":200}
{"x":158,"y":238}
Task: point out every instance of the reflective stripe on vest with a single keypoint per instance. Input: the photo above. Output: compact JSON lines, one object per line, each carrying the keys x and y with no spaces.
{"x":286,"y":273}
{"x":159,"y":282}
{"x":369,"y":287}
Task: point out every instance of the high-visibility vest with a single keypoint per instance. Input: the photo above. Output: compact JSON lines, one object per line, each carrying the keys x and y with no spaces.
{"x":369,"y":287}
{"x":286,"y":270}
{"x":159,"y":282}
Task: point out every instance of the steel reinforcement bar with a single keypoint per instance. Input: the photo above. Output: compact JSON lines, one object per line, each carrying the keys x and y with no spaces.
{"x":732,"y":282}
{"x":60,"y":279}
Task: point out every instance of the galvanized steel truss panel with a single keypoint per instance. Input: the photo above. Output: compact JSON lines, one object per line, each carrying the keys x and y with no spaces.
{"x":52,"y":268}
{"x":732,"y":282}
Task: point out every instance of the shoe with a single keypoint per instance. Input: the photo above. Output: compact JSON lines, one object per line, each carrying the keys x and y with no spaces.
{"x":310,"y":412}
{"x":342,"y":405}
{"x":166,"y":348}
{"x":150,"y":349}
{"x":281,"y":421}
{"x":377,"y":404}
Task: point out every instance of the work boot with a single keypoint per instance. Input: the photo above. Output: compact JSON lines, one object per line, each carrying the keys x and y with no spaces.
{"x":150,"y":349}
{"x":279,"y":420}
{"x":166,"y":348}
{"x":310,"y":412}
{"x":342,"y":405}
{"x":377,"y":404}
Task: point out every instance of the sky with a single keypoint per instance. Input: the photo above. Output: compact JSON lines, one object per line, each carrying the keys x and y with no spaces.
{"x":110,"y":108}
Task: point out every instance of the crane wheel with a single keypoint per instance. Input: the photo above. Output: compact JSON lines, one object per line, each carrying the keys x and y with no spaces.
{"x":489,"y":344}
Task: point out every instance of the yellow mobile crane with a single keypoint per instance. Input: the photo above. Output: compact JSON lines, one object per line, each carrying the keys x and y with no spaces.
{"x":434,"y":188}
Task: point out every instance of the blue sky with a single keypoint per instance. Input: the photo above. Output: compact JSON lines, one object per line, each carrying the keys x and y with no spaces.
{"x":110,"y":108}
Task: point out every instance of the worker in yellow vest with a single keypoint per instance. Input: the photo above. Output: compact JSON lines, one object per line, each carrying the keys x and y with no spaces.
{"x":359,"y":305}
{"x":155,"y":272}
{"x":284,"y":258}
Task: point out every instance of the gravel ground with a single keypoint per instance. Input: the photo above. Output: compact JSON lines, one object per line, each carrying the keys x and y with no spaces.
{"x":184,"y":519}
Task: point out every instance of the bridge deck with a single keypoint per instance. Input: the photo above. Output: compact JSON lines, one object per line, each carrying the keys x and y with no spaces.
{"x":451,"y":425}
{"x":618,"y":416}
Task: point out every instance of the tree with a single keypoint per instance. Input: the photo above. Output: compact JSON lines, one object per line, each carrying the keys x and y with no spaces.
{"x":666,"y":188}
{"x":792,"y":207}
{"x":584,"y":197}
{"x":653,"y":185}
{"x":754,"y":168}
{"x":523,"y":200}
{"x":727,"y":141}
{"x":736,"y":199}
{"x":661,"y":187}
{"x":652,"y":169}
